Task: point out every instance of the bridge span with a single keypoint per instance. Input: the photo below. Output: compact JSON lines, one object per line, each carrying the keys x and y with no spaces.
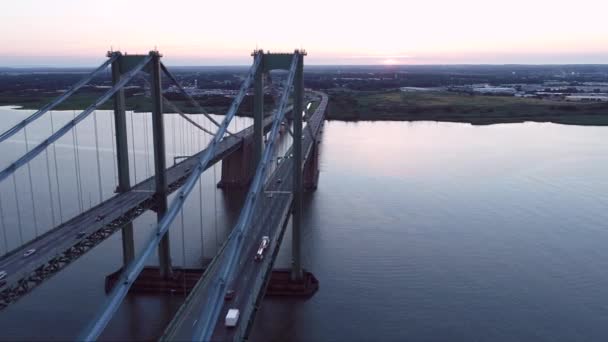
{"x":273,"y":199}
{"x":253,"y":276}
{"x":62,"y":245}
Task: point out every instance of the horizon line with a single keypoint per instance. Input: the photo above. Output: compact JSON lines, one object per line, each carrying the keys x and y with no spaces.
{"x":35,"y":66}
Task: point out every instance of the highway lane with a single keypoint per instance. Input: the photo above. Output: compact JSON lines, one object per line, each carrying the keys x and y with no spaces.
{"x":276,"y":212}
{"x":273,"y":222}
{"x":61,"y":245}
{"x":247,"y":265}
{"x":270,"y":220}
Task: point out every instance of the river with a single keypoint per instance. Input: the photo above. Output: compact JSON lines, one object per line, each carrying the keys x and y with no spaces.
{"x":417,"y":231}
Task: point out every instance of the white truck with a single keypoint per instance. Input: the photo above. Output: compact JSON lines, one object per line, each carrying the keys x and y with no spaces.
{"x":232,"y":317}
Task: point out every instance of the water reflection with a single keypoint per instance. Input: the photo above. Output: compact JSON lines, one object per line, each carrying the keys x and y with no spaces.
{"x":418,"y":231}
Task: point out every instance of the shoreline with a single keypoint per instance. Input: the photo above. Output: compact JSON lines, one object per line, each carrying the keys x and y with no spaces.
{"x":390,"y":105}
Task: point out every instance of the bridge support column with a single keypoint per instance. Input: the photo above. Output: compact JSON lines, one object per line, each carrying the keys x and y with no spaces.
{"x":122,"y":156}
{"x":296,"y":220}
{"x":237,"y":170}
{"x":311,"y":168}
{"x":160,"y":167}
{"x":258,"y":112}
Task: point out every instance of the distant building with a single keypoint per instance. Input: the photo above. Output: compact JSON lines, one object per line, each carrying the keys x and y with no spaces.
{"x":494,"y":90}
{"x":588,"y":98}
{"x":413,"y":89}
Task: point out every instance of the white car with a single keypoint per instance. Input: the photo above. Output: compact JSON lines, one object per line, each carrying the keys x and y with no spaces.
{"x":265,"y":242}
{"x":29,"y":252}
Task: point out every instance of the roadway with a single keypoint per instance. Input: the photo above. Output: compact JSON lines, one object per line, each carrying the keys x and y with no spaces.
{"x":271,"y":219}
{"x":60,"y":246}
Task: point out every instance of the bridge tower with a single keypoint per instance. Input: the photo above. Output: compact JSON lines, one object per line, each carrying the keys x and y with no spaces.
{"x":121,"y":65}
{"x":238,"y":169}
{"x":160,"y":165}
{"x":273,"y":61}
{"x":122,"y":150}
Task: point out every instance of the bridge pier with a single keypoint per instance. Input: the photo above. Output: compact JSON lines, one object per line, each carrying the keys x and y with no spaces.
{"x":237,"y":168}
{"x":311,"y":168}
{"x":158,"y":130}
{"x":122,"y":155}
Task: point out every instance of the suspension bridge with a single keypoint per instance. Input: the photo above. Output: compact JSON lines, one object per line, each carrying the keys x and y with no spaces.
{"x":275,"y":158}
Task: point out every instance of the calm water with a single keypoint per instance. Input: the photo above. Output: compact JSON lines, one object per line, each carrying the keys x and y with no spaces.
{"x":418,"y":231}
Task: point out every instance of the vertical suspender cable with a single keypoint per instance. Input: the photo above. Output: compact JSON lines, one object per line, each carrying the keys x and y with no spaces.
{"x":146,"y":149}
{"x":113,"y":149}
{"x":79,"y":194}
{"x":189,"y":139}
{"x":56,"y":173}
{"x":177,"y":137}
{"x":200,"y":196}
{"x":185,"y":137}
{"x":29,"y":174}
{"x":215,"y":206}
{"x":200,"y":214}
{"x":78,"y":161}
{"x":18,"y":209}
{"x":192,"y":134}
{"x":133,"y":149}
{"x":183,"y":239}
{"x":182,"y":137}
{"x":183,"y":255}
{"x":48,"y":176}
{"x":198,"y":135}
{"x":3,"y":226}
{"x":97,"y":154}
{"x":173,"y":135}
{"x":193,"y":139}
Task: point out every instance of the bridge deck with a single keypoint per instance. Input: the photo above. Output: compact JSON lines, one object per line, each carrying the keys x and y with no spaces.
{"x":253,"y":276}
{"x":61,"y":245}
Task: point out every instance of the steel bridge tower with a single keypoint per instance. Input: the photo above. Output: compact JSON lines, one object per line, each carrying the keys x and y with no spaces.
{"x":120,"y":65}
{"x":269,"y":62}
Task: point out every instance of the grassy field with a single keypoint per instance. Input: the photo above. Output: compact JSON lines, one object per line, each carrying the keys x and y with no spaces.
{"x":81,"y":101}
{"x":447,"y":106}
{"x":378,"y":105}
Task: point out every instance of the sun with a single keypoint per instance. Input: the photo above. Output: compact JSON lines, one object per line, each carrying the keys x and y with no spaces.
{"x":390,"y":61}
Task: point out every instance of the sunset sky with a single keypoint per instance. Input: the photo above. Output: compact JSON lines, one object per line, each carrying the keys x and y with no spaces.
{"x":208,"y":32}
